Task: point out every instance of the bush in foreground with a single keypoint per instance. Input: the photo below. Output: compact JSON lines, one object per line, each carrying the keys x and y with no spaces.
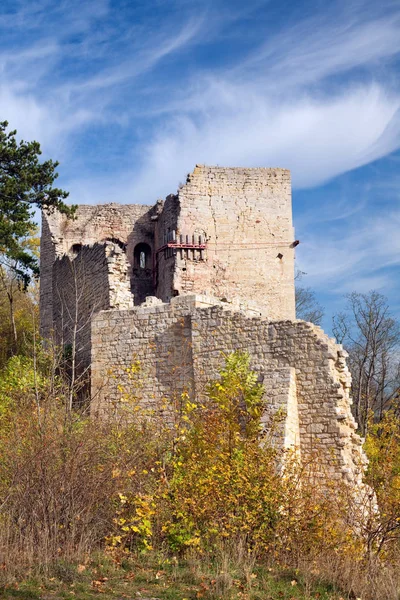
{"x":71,"y":486}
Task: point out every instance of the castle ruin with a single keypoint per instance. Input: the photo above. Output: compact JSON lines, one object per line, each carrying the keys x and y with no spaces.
{"x":179,"y":284}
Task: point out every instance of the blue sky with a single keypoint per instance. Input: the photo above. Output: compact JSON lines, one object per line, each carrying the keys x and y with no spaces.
{"x":129,"y":95}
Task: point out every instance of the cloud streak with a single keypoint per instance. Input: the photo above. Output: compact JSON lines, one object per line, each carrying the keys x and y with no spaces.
{"x":362,"y":258}
{"x":130,"y":96}
{"x":315,"y":139}
{"x":326,"y":45}
{"x":273,"y":100}
{"x":280,"y":106}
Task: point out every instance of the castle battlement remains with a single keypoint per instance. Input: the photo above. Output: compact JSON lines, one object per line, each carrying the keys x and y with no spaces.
{"x":179,"y":284}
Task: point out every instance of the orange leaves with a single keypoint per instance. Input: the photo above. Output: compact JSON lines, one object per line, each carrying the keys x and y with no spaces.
{"x":99,"y":584}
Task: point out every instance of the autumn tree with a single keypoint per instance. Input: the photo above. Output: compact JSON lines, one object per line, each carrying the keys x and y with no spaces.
{"x":25,"y":184}
{"x":372,"y":337}
{"x":18,"y":304}
{"x":383,"y":475}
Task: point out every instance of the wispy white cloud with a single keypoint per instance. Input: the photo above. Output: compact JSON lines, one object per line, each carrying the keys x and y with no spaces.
{"x":328,"y":43}
{"x":316,"y":138}
{"x":36,"y":15}
{"x":45,"y":121}
{"x":276,"y":107}
{"x":131,"y":96}
{"x":358,"y":258}
{"x":145,"y":59}
{"x":280,"y":103}
{"x":341,"y":208}
{"x":54,"y":83}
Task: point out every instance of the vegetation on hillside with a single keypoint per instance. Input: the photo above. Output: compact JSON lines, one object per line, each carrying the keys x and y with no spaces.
{"x":203,"y":508}
{"x":207,"y":508}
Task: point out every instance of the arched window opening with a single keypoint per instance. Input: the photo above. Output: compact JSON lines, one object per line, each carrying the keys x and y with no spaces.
{"x":75,"y":249}
{"x":117,"y":242}
{"x":142,"y":257}
{"x":142,"y":284}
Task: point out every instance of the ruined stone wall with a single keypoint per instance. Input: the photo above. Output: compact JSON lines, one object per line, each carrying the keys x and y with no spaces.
{"x":159,"y":336}
{"x":95,"y":262}
{"x":181,"y":346}
{"x":323,"y":380}
{"x":281,"y":417}
{"x":129,"y":224}
{"x":245,"y":216}
{"x":47,"y":258}
{"x":165,"y":261}
{"x":120,"y":296}
{"x":80,"y":286}
{"x":94,"y":279}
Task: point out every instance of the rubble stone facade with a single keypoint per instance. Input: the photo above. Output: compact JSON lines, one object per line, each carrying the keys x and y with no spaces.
{"x":180,"y":284}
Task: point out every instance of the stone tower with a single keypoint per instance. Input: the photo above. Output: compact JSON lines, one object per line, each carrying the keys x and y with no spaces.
{"x":227,"y":233}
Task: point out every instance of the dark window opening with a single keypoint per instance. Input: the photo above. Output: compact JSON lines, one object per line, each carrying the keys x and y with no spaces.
{"x":142,"y":284}
{"x":142,"y":257}
{"x":76,"y":248}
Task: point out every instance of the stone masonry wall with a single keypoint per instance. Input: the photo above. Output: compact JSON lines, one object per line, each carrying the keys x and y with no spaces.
{"x":120,"y":296}
{"x":129,"y":224}
{"x":80,"y":286}
{"x":94,"y":279}
{"x":159,"y":336}
{"x":282,"y":432}
{"x":323,"y":380}
{"x":245,"y":217}
{"x":47,"y":258}
{"x":165,"y":261}
{"x":181,"y":346}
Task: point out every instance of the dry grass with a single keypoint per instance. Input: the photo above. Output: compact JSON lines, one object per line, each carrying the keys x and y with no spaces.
{"x":373,"y":579}
{"x":58,"y":484}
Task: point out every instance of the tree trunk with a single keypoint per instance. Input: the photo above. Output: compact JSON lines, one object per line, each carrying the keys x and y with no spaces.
{"x":13,"y":324}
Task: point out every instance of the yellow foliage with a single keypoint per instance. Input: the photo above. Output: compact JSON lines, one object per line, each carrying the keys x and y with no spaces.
{"x":382,"y":446}
{"x":223,"y":482}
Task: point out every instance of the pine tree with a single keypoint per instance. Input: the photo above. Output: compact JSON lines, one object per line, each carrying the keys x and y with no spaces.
{"x":25,"y":184}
